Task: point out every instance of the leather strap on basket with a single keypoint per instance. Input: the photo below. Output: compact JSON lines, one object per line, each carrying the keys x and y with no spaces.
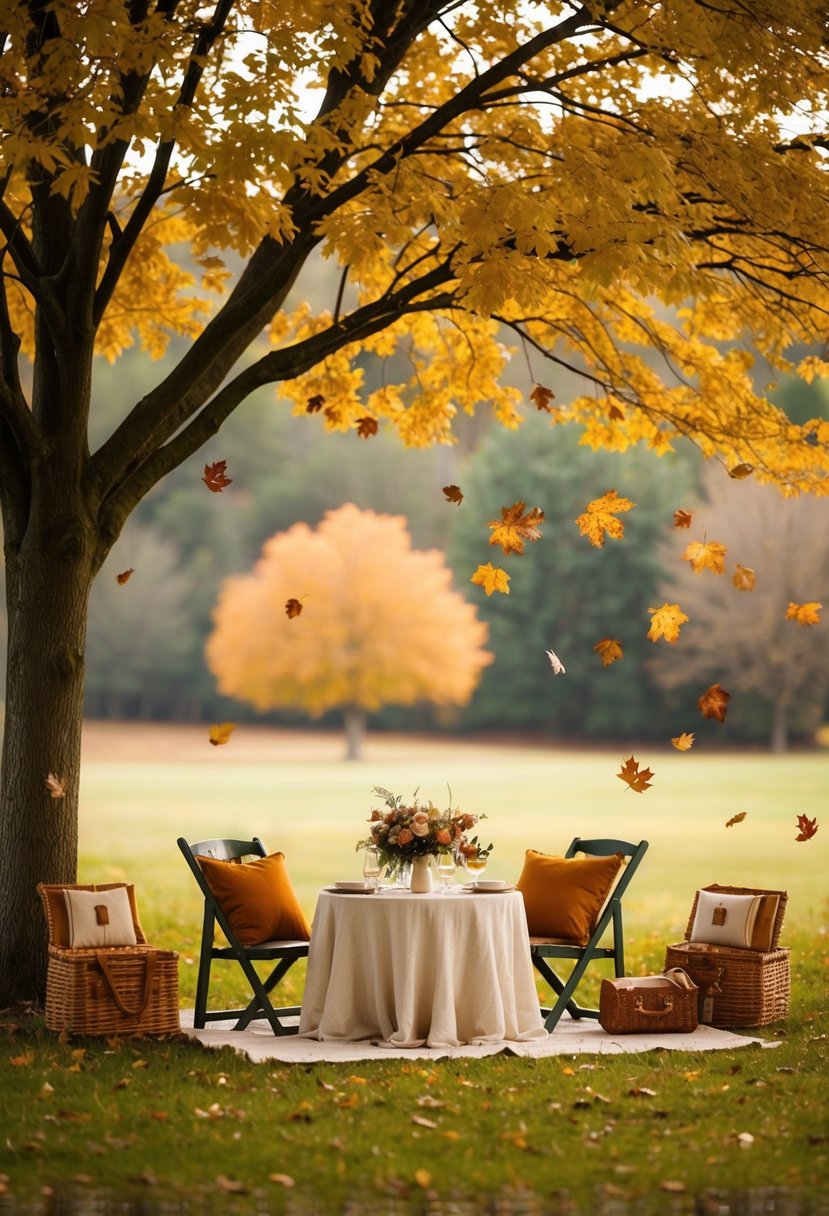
{"x":667,"y":1002}
{"x":150,"y":959}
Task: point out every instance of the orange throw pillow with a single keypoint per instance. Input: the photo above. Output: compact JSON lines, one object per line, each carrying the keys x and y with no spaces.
{"x":258,"y":899}
{"x":563,"y":896}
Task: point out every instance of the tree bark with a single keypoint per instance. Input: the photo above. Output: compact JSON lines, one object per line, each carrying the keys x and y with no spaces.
{"x":354,"y":720}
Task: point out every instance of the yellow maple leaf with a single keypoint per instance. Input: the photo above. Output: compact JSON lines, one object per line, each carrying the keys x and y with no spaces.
{"x":633,"y":778}
{"x":804,"y":614}
{"x":744,"y":578}
{"x":609,"y":650}
{"x":491,"y":578}
{"x":683,"y":742}
{"x":423,"y":1178}
{"x":666,"y":623}
{"x":221,"y":732}
{"x":705,"y":555}
{"x":514,"y":527}
{"x":599,"y":518}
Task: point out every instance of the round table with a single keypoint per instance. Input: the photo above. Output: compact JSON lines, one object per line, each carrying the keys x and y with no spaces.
{"x":435,"y":969}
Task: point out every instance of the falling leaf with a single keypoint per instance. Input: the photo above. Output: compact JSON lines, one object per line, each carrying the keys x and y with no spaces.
{"x":705,"y":555}
{"x":600,"y":517}
{"x":555,"y":663}
{"x":366,"y":427}
{"x":292,"y":608}
{"x":807,"y":827}
{"x":744,"y":578}
{"x":314,"y":403}
{"x":491,"y":578}
{"x":220,"y":733}
{"x":56,"y":786}
{"x":609,"y":651}
{"x":630,"y":774}
{"x":740,"y":471}
{"x":453,"y":494}
{"x":714,"y":703}
{"x":282,"y":1179}
{"x":514,"y":527}
{"x":423,"y":1178}
{"x":124,"y":576}
{"x":804,"y":614}
{"x":683,"y":742}
{"x":682,"y":519}
{"x":738,"y":818}
{"x":214,"y":476}
{"x":541,"y":397}
{"x":666,"y":623}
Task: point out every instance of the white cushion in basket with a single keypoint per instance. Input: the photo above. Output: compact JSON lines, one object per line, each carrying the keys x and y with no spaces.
{"x":100,"y":918}
{"x":725,"y":920}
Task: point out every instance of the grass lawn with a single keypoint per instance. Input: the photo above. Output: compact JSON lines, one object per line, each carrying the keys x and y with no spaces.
{"x":663,"y":1131}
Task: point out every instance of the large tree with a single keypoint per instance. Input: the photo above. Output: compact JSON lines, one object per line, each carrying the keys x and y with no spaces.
{"x":556,"y":169}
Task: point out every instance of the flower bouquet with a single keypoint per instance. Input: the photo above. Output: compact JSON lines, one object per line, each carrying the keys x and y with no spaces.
{"x":403,"y":832}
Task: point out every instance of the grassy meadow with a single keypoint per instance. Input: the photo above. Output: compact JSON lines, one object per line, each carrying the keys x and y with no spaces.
{"x":152,"y":1123}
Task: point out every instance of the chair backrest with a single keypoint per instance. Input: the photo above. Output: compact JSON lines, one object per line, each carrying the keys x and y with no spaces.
{"x":223,"y":850}
{"x":601,"y":847}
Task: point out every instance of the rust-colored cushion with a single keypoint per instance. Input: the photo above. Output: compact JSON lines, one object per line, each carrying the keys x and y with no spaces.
{"x":563,"y":896}
{"x":258,"y":899}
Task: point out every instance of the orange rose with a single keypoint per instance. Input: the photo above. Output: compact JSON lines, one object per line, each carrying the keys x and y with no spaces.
{"x":444,"y":836}
{"x":404,"y":836}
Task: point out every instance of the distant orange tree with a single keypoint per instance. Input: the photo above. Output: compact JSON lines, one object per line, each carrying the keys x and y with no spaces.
{"x":379,"y":624}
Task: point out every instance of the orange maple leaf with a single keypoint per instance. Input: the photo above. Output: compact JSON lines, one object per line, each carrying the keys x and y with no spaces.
{"x":807,"y":827}
{"x":616,"y":413}
{"x":740,"y":471}
{"x":453,"y":494}
{"x":804,"y":614}
{"x":666,"y":623}
{"x":714,"y":702}
{"x":221,"y":732}
{"x":633,"y":778}
{"x":744,"y":578}
{"x":491,"y":578}
{"x":514,"y":527}
{"x":541,"y":397}
{"x":738,"y":818}
{"x":609,"y":651}
{"x":705,"y":555}
{"x":683,"y":742}
{"x":600,"y":517}
{"x":56,"y":786}
{"x":682,"y":519}
{"x":366,"y":427}
{"x":124,"y":576}
{"x":293,"y":607}
{"x":214,"y":476}
{"x":314,"y":403}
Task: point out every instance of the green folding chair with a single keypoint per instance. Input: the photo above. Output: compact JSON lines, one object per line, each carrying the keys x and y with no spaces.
{"x":542,"y":950}
{"x":282,"y":953}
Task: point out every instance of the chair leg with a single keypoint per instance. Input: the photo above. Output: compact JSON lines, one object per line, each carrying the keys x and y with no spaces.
{"x":260,"y":1005}
{"x":564,"y":989}
{"x":618,"y":944}
{"x":203,"y":978}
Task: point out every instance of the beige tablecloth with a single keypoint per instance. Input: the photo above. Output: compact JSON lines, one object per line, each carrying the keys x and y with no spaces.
{"x":412,"y":970}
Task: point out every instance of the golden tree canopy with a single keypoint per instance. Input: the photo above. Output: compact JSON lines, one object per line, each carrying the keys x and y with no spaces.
{"x":379,"y":622}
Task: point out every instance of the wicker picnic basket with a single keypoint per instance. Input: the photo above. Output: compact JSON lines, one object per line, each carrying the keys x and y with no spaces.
{"x":738,"y":987}
{"x":649,"y":1003}
{"x":125,"y":990}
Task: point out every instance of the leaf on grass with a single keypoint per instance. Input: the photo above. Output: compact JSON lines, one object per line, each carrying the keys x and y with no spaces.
{"x":804,"y":614}
{"x":666,"y":623}
{"x":541,"y":397}
{"x":744,"y":578}
{"x":682,"y":519}
{"x":230,"y":1186}
{"x":366,"y":427}
{"x":282,"y":1179}
{"x":741,"y":471}
{"x":220,"y":732}
{"x":807,"y":827}
{"x":293,"y":608}
{"x":453,"y":494}
{"x":714,"y":702}
{"x":738,"y":818}
{"x":672,"y":1186}
{"x":423,"y":1178}
{"x":609,"y":651}
{"x":56,"y":786}
{"x":705,"y":555}
{"x":124,"y":576}
{"x":22,"y":1061}
{"x":555,"y":663}
{"x":215,"y":477}
{"x":683,"y":742}
{"x":515,"y":527}
{"x":599,"y":518}
{"x":491,"y":578}
{"x":632,"y":777}
{"x":422,"y":1121}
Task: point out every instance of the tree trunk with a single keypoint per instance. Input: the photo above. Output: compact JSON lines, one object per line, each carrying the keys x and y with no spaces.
{"x":354,"y":720}
{"x":48,"y":582}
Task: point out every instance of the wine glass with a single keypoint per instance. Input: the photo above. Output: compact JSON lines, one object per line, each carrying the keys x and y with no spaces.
{"x":371,"y":865}
{"x":476,"y":865}
{"x":446,"y":866}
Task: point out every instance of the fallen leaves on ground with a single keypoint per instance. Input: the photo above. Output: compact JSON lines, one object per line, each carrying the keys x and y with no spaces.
{"x":666,"y":622}
{"x":599,"y":518}
{"x":632,"y":777}
{"x":609,"y":651}
{"x":515,"y":527}
{"x":215,"y":476}
{"x":714,"y":702}
{"x":491,"y":578}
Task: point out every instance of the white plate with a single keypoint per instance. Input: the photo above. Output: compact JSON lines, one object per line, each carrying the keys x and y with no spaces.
{"x":489,"y":884}
{"x":353,"y":885}
{"x":473,"y":890}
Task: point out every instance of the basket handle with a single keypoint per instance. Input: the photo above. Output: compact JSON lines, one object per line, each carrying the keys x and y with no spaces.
{"x":149,"y":975}
{"x":667,"y":1001}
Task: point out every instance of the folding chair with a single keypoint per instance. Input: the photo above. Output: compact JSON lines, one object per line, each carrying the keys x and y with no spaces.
{"x":543,"y":949}
{"x":284,"y":953}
